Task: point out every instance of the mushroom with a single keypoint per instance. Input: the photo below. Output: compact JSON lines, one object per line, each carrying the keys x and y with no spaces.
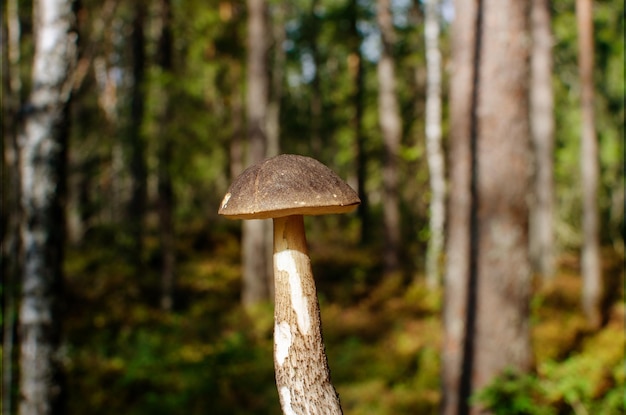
{"x":285,"y":188}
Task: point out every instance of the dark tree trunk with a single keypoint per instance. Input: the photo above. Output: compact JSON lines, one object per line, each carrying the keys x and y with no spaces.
{"x":42,"y":170}
{"x":317,"y":142}
{"x":254,"y":252}
{"x":391,"y":128}
{"x":277,"y":23}
{"x":590,"y":261}
{"x":11,"y":265}
{"x":236,"y":148}
{"x":488,"y":276}
{"x":276,"y":20}
{"x":357,"y":69}
{"x":166,"y":149}
{"x":138,"y":169}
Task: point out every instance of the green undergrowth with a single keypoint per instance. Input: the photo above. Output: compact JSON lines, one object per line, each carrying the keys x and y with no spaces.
{"x":209,"y":355}
{"x":580,"y":370}
{"x":590,"y":381}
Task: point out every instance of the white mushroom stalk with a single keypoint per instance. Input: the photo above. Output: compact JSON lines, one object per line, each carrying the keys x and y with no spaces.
{"x":302,"y":373}
{"x":284,"y":188}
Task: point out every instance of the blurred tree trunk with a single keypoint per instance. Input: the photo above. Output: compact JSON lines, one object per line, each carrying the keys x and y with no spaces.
{"x":316,"y":93}
{"x":436,"y":164}
{"x":277,"y":23}
{"x":357,"y":70}
{"x":391,"y":128}
{"x":104,"y":66}
{"x":137,"y":146}
{"x":590,"y":262}
{"x":501,"y":333}
{"x":254,"y":258}
{"x":11,"y":255}
{"x":103,"y":49}
{"x":165,"y":154}
{"x":491,"y":267}
{"x":42,"y":142}
{"x":96,"y":44}
{"x":276,"y":20}
{"x":542,"y":128}
{"x":458,"y":245}
{"x":236,"y":148}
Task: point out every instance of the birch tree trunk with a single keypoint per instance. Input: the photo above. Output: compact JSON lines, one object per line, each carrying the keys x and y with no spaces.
{"x":254,"y":252}
{"x":542,"y":128}
{"x":42,"y":166}
{"x":590,"y":262}
{"x":391,"y":128}
{"x":436,"y":165}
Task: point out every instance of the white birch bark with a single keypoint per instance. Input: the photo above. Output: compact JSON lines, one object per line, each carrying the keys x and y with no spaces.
{"x":436,"y":163}
{"x":42,"y":152}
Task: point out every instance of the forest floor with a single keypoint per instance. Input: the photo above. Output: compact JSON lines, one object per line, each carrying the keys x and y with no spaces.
{"x":383,"y":336}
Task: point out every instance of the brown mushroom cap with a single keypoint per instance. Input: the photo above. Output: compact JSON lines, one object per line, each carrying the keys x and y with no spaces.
{"x":286,"y":185}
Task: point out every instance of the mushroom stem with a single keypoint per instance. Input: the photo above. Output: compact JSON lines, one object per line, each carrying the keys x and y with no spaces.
{"x":302,"y":373}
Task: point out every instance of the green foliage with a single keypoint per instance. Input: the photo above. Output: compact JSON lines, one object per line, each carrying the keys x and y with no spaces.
{"x":609,"y":117}
{"x":382,"y":336}
{"x":579,"y":371}
{"x":593,"y":379}
{"x":383,"y":352}
{"x":126,"y":356}
{"x":514,"y":394}
{"x":588,"y":382}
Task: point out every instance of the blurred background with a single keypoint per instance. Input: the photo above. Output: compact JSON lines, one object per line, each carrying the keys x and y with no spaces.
{"x":483,"y":269}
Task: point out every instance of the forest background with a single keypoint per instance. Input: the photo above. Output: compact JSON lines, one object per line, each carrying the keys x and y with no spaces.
{"x":156,"y":312}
